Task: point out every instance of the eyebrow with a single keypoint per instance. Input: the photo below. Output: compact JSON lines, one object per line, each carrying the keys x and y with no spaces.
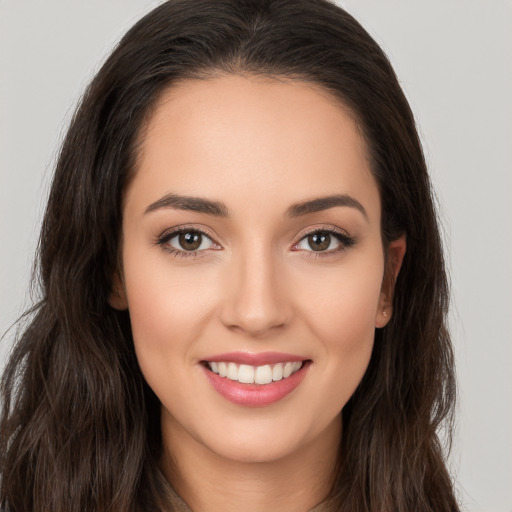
{"x":324,"y":203}
{"x":195,"y":204}
{"x":218,"y":209}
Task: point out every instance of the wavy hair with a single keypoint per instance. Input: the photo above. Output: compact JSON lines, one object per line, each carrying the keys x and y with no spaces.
{"x":79,"y":427}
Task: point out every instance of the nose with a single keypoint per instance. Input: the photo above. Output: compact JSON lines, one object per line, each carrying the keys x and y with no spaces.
{"x":255,"y":295}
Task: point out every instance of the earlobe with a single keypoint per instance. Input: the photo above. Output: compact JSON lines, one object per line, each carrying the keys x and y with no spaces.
{"x":383,"y":316}
{"x":117,"y":297}
{"x":394,"y":260}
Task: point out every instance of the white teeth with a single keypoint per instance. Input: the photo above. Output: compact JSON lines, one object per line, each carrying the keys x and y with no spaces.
{"x":232,"y":371}
{"x":277,"y":372}
{"x":223,"y":369}
{"x":263,"y":375}
{"x":287,"y":371}
{"x":247,"y":374}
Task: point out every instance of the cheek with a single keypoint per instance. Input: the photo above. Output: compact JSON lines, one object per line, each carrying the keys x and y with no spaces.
{"x":341,"y":304}
{"x":168,"y":307}
{"x":340,"y":310}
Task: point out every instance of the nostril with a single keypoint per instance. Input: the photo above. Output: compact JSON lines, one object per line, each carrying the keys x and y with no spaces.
{"x":253,"y":304}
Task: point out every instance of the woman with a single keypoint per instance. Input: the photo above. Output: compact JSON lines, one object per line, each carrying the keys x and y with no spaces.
{"x":244,"y":294}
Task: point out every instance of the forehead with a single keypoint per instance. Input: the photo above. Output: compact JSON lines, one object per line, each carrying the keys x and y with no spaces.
{"x":261,"y":139}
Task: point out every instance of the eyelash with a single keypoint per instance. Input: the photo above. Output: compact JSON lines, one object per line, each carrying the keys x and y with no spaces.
{"x":164,"y":238}
{"x":345,"y":242}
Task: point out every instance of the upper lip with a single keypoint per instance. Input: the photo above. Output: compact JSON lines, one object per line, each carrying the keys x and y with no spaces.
{"x":254,"y":359}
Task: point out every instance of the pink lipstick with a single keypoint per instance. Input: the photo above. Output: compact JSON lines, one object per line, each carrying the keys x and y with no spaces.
{"x":255,"y":380}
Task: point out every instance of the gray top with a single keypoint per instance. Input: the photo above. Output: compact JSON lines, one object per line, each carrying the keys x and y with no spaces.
{"x":180,"y":506}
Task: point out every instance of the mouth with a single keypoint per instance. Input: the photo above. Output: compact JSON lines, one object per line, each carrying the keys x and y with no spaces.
{"x":269,"y":379}
{"x":248,"y":374}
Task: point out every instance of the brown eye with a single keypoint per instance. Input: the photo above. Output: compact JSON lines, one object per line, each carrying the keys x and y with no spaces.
{"x":187,"y":242}
{"x":319,"y":241}
{"x":325,"y":241}
{"x":190,"y":241}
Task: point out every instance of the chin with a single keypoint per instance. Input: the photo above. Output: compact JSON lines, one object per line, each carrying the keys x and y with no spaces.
{"x":254,"y":452}
{"x":259,"y":442}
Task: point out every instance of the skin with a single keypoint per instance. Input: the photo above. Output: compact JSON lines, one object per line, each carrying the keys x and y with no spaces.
{"x":259,"y":146}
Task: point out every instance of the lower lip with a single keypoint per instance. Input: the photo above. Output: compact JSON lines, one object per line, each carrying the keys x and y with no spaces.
{"x":256,"y":395}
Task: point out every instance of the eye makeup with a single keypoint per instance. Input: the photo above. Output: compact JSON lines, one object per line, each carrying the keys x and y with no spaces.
{"x":193,"y":242}
{"x":187,"y":242}
{"x":324,"y":241}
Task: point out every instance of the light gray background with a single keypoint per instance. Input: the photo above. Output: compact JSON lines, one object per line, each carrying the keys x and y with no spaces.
{"x":454,"y":62}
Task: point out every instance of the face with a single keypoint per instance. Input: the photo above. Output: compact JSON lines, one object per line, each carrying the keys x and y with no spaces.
{"x":252,"y":264}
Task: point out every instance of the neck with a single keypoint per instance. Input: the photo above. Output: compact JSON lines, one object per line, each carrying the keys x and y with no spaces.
{"x":209,"y":482}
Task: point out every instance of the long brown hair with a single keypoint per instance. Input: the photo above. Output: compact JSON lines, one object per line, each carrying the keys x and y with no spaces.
{"x":79,"y":426}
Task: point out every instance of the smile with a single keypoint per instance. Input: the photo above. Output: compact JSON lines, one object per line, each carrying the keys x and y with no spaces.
{"x":247,"y":374}
{"x":255,"y":380}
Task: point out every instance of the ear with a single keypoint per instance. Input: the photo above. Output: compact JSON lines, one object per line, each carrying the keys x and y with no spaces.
{"x":117,"y":298}
{"x":394,"y":258}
